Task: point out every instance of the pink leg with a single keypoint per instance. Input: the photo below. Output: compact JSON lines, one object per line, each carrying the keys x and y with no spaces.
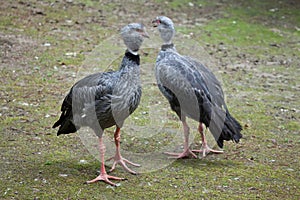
{"x":186,"y":152}
{"x":205,"y":148}
{"x":103,"y":175}
{"x":118,"y":159}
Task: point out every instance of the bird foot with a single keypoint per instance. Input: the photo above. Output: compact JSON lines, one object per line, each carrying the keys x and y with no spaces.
{"x":185,"y":154}
{"x":122,"y":161}
{"x":205,"y":149}
{"x":105,"y":178}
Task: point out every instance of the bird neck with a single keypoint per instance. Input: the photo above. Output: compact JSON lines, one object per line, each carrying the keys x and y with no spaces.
{"x":130,"y":61}
{"x":133,"y":56}
{"x":134,"y":52}
{"x":167,"y":34}
{"x":165,"y":47}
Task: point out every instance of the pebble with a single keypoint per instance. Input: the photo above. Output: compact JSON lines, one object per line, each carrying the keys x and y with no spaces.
{"x":47,"y":45}
{"x":63,"y":175}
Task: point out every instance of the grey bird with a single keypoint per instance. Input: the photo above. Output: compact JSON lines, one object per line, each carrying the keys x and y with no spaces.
{"x":193,"y":91}
{"x":105,"y":99}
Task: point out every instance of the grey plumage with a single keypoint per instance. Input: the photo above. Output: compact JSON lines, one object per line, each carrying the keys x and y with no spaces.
{"x":107,"y":98}
{"x":192,"y":89}
{"x":166,"y":29}
{"x":131,"y":35}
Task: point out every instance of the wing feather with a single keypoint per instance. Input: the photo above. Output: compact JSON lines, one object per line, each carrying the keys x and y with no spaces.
{"x":184,"y":87}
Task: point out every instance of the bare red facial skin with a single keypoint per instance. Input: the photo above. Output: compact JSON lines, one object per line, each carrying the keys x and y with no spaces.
{"x":156,"y":22}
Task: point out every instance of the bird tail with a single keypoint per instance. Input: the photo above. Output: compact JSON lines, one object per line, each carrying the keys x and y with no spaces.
{"x":231,"y":130}
{"x":65,"y":124}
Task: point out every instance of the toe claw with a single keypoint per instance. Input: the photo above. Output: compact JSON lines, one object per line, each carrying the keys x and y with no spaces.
{"x":122,"y":161}
{"x":184,"y":154}
{"x":206,"y":150}
{"x":105,"y":178}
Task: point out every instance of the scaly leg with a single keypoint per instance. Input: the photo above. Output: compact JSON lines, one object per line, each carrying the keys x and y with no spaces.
{"x":186,"y":152}
{"x":205,"y":149}
{"x":118,"y":159}
{"x":103,"y":175}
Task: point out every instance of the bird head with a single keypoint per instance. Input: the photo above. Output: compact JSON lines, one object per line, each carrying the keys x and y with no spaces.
{"x":165,"y":27}
{"x":133,"y":36}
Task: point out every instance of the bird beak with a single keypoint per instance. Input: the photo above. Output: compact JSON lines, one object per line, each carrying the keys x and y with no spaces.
{"x":145,"y":34}
{"x":155,"y":22}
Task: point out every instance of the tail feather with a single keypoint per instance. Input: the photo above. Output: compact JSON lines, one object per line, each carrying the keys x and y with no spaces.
{"x":65,"y":123}
{"x":230,"y":131}
{"x":67,"y":127}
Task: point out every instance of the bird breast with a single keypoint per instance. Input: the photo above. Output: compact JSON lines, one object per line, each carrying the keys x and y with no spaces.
{"x":126,"y":95}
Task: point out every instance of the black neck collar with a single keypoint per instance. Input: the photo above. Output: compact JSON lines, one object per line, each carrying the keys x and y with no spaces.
{"x":132,"y":57}
{"x":164,"y":47}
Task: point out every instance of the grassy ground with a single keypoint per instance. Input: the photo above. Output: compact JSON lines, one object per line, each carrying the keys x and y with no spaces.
{"x":253,"y":46}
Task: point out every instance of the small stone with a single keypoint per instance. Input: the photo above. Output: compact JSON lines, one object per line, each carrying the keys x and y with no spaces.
{"x":273,"y":141}
{"x":47,"y":45}
{"x":74,"y":54}
{"x":110,"y":187}
{"x":24,"y":104}
{"x":273,"y":10}
{"x":204,"y":190}
{"x":63,"y":175}
{"x":83,"y":162}
{"x":290,"y":169}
